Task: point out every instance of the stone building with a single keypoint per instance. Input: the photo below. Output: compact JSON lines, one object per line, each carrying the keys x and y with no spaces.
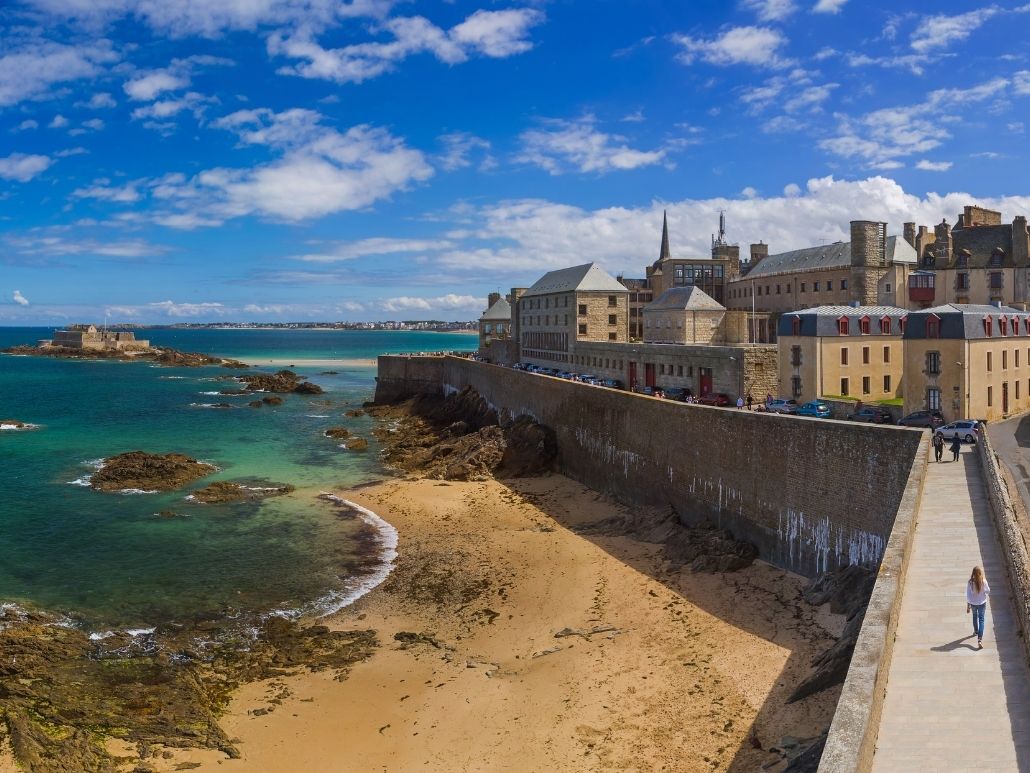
{"x":567,"y":307}
{"x":90,"y":337}
{"x":639,"y":296}
{"x":851,"y":351}
{"x":683,"y":315}
{"x":495,"y":322}
{"x":711,"y":274}
{"x":871,"y":269}
{"x":970,"y":361}
{"x":978,"y":261}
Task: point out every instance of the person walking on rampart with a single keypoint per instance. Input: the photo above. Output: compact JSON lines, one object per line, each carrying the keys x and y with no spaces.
{"x":750,"y":401}
{"x":938,"y":446}
{"x":740,"y":403}
{"x":956,"y":448}
{"x":977,"y":591}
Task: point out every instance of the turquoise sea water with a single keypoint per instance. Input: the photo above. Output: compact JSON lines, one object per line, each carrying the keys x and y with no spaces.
{"x":110,"y":560}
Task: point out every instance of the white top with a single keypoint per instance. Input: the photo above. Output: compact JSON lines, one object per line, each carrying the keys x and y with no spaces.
{"x":972,"y":597}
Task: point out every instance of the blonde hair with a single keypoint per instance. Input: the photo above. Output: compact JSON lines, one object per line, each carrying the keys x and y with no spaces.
{"x":976,"y":579}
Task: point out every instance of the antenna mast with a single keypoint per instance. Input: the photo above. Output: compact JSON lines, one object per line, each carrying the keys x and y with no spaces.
{"x":720,"y":241}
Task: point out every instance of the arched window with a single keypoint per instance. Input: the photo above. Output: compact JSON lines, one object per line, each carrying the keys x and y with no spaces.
{"x":842,"y":325}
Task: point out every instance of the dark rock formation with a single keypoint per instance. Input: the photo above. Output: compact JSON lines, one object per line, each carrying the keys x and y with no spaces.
{"x":356,"y":444}
{"x":148,"y":472}
{"x":14,"y":423}
{"x":847,"y":591}
{"x":272,"y":400}
{"x":157,"y":354}
{"x":460,"y":438}
{"x":176,"y":359}
{"x":255,"y":403}
{"x":283,"y":381}
{"x":223,"y":491}
{"x":354,"y":413}
{"x":337,"y":432}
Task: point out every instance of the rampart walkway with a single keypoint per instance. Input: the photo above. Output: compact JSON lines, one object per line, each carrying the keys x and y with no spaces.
{"x":949,"y":706}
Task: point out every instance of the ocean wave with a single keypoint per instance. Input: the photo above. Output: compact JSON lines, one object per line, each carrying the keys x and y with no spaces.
{"x":355,"y":588}
{"x":96,"y":464}
{"x":83,"y":481}
{"x":133,"y":632}
{"x":218,"y":406}
{"x":316,"y":416}
{"x":25,"y":427}
{"x":134,"y":491}
{"x":171,"y":378}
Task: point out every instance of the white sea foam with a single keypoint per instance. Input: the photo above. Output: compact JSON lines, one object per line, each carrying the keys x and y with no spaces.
{"x":83,"y":481}
{"x":15,"y":428}
{"x":132,"y":491}
{"x":171,"y":378}
{"x":355,"y":588}
{"x":316,"y":416}
{"x":133,"y":632}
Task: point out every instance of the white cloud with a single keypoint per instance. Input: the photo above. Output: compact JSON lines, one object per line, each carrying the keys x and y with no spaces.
{"x":211,"y":18}
{"x":152,"y":84}
{"x":23,"y":167}
{"x":100,"y":101}
{"x":829,"y":6}
{"x":529,"y":237}
{"x":936,"y":33}
{"x":375,"y":246}
{"x":895,"y":132}
{"x":771,"y":10}
{"x":77,"y":151}
{"x":27,"y":124}
{"x":32,"y":66}
{"x":321,"y":171}
{"x":449,"y":302}
{"x":492,"y":34}
{"x":810,"y":99}
{"x":459,"y":146}
{"x":1021,"y":82}
{"x":20,"y":299}
{"x":164,"y":109}
{"x":58,"y":122}
{"x":579,"y":146}
{"x":173,"y":309}
{"x":94,"y":123}
{"x":756,"y":46}
{"x":933,"y":166}
{"x":103,"y":191}
{"x":749,"y":192}
{"x":49,"y":245}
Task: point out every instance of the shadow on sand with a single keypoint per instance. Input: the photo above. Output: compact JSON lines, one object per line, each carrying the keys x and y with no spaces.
{"x":691,"y":587}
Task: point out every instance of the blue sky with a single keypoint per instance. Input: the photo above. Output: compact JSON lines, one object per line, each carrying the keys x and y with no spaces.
{"x":178,"y":160}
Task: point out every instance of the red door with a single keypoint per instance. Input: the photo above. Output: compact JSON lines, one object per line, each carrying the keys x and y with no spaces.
{"x":632,"y":375}
{"x":704,"y":381}
{"x":649,"y":374}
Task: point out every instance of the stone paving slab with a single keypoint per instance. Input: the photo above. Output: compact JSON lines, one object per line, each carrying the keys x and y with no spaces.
{"x":950,"y":707}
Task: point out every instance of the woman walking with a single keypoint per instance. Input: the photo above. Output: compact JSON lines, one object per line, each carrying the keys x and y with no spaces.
{"x":956,"y":448}
{"x":977,"y":591}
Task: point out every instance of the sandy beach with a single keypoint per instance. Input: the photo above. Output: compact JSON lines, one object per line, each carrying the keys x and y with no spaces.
{"x":301,"y":363}
{"x":515,"y":639}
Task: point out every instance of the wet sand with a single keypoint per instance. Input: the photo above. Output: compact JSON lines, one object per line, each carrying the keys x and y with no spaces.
{"x":679,"y":670}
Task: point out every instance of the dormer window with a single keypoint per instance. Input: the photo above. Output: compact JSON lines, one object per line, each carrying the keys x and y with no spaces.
{"x":863,"y":326}
{"x":885,"y":325}
{"x":997,"y":257}
{"x":842,"y":326}
{"x":1003,"y":325}
{"x":933,"y":326}
{"x":902,"y":323}
{"x":988,"y":327}
{"x":795,"y":325}
{"x":962,"y":259}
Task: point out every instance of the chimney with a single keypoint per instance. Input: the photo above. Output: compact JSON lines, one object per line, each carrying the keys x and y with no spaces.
{"x":492,"y":298}
{"x":758,"y":252}
{"x":910,"y":234}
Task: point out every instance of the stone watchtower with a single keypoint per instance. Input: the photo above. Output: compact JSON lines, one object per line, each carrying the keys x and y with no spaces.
{"x":868,"y":260}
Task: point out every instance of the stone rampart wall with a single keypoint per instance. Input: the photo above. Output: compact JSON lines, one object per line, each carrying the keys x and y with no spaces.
{"x":811,"y":494}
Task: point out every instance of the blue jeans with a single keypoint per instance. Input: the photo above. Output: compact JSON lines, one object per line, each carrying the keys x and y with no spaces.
{"x":978,"y":619}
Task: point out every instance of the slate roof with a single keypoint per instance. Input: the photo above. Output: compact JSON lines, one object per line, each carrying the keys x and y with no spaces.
{"x":965,"y":320}
{"x":584,"y":279}
{"x":836,"y":255}
{"x":499,"y":312}
{"x":684,"y":299}
{"x":822,"y":320}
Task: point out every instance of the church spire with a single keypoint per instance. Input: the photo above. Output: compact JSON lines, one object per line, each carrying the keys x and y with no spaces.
{"x":665,"y":254}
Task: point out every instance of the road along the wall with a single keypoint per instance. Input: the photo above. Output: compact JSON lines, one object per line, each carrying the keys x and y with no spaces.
{"x":812,"y":495}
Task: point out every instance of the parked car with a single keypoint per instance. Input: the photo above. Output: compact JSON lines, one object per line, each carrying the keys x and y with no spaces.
{"x":931,"y":419}
{"x":872,"y":415}
{"x":644,"y":390}
{"x":720,"y":399}
{"x":589,"y":379}
{"x":815,"y":408}
{"x":967,"y":431}
{"x":611,"y":383}
{"x":676,"y":393}
{"x":782,"y":406}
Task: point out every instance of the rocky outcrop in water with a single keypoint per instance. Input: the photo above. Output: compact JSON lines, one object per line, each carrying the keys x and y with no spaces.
{"x":148,"y":472}
{"x":16,"y":424}
{"x":460,"y":438}
{"x":175,"y":359}
{"x":356,"y":444}
{"x":337,"y":432}
{"x":283,"y":381}
{"x":157,"y":354}
{"x":224,"y":491}
{"x":64,"y":695}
